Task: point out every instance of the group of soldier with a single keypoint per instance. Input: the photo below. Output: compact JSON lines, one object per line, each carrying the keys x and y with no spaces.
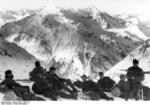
{"x":50,"y":85}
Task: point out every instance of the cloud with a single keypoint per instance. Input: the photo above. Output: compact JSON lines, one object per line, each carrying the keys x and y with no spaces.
{"x":21,"y":4}
{"x":111,"y":6}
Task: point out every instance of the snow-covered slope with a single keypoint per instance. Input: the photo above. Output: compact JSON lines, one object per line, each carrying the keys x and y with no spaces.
{"x":145,"y":27}
{"x":15,"y":58}
{"x":142,"y":53}
{"x":131,"y":30}
{"x":127,"y":26}
{"x":80,"y":42}
{"x":11,"y":15}
{"x":77,"y":40}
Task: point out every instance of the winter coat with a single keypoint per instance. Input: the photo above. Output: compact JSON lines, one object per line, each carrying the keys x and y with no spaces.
{"x":135,"y":72}
{"x":123,"y":86}
{"x":18,"y":89}
{"x":90,"y":86}
{"x":41,"y":86}
{"x":10,"y":83}
{"x":56,"y":81}
{"x":106,"y":83}
{"x":78,"y":84}
{"x":36,"y":73}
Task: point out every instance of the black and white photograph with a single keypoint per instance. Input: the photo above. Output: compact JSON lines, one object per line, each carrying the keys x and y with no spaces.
{"x":74,"y":50}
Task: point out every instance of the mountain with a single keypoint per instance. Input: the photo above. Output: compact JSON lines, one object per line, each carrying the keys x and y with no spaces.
{"x":133,"y":28}
{"x":145,"y":27}
{"x":16,"y":59}
{"x":142,"y":53}
{"x":10,"y":15}
{"x":77,"y":41}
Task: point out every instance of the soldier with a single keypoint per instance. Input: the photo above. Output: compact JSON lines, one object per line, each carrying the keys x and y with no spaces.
{"x":105,"y":82}
{"x":10,"y":84}
{"x":37,"y":71}
{"x":88,"y":86}
{"x":60,"y":83}
{"x":123,"y":86}
{"x":135,"y":76}
{"x":43,"y":87}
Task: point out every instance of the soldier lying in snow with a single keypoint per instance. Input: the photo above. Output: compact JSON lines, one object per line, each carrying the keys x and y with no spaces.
{"x":23,"y":92}
{"x":92,"y":89}
{"x":60,"y":83}
{"x":43,"y":87}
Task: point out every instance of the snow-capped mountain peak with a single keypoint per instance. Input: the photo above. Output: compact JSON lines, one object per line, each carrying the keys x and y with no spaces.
{"x":49,"y":9}
{"x":132,"y":29}
{"x":94,"y":11}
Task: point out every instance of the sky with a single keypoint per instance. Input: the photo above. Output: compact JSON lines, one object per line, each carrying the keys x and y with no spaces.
{"x":111,"y":6}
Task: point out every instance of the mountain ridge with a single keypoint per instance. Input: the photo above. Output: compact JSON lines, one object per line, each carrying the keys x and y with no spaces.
{"x":78,"y":41}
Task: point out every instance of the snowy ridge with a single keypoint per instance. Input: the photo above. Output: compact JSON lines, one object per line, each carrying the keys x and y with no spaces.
{"x":95,"y":13}
{"x":142,"y":53}
{"x":10,"y":16}
{"x":75,"y":39}
{"x":131,"y":30}
{"x":15,"y":58}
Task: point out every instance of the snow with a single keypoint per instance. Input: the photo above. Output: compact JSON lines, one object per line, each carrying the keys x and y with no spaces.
{"x":20,"y":68}
{"x":107,"y":39}
{"x":96,"y":15}
{"x":132,"y":29}
{"x":2,"y":21}
{"x":94,"y":11}
{"x":144,"y":62}
{"x":16,"y":59}
{"x":1,"y":96}
{"x":123,"y":16}
{"x":61,"y":43}
{"x":19,"y":62}
{"x":18,"y":16}
{"x":29,"y":45}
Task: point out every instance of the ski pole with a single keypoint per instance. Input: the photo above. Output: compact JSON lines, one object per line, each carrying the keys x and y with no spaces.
{"x":142,"y":94}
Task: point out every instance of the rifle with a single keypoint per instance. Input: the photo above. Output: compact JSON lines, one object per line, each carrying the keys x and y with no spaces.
{"x":24,"y":80}
{"x":145,"y":72}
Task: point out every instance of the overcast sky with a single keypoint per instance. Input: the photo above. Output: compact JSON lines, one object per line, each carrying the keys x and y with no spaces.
{"x":111,"y":6}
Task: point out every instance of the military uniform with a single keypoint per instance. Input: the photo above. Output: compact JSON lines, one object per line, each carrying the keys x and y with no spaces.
{"x":135,"y":76}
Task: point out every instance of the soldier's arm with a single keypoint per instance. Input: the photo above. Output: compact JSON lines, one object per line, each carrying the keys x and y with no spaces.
{"x":129,"y":73}
{"x":16,"y":84}
{"x":112,"y":81}
{"x":61,"y":79}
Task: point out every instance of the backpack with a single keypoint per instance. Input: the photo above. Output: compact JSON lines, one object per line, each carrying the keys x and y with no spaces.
{"x":35,"y":88}
{"x":144,"y":93}
{"x":115,"y":91}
